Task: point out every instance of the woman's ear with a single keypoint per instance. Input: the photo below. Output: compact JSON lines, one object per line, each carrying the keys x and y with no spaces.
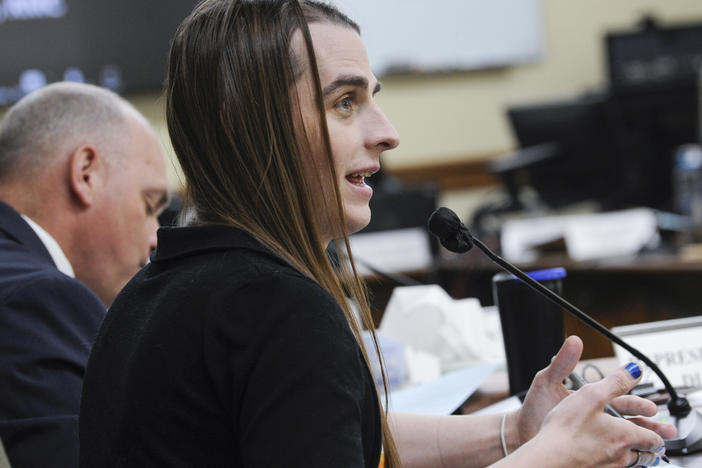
{"x":85,"y":174}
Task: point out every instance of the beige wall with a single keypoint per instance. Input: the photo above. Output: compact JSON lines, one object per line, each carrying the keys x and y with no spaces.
{"x":153,"y":107}
{"x":454,"y":116}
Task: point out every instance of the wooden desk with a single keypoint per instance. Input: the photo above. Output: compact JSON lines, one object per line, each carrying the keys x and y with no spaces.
{"x":614,"y":293}
{"x":495,"y":389}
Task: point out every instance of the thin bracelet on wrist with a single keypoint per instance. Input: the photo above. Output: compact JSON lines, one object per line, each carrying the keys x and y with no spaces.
{"x":502,"y":434}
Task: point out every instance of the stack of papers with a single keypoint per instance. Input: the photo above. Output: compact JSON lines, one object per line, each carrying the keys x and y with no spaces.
{"x":443,"y":395}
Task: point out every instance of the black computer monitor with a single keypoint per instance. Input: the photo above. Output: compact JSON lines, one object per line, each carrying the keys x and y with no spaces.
{"x":649,"y":126}
{"x":618,"y":147}
{"x":585,"y":165}
{"x":396,"y":205}
{"x":121,"y":45}
{"x":654,"y":57}
{"x":653,"y":75}
{"x":403,"y":207}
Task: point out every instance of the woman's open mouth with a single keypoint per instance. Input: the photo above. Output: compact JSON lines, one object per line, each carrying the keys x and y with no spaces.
{"x":358,"y":178}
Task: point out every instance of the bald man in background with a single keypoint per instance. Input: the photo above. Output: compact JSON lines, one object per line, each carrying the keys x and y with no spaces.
{"x":82,"y":180}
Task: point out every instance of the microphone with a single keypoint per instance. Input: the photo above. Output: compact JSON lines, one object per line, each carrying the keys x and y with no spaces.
{"x":456,"y":237}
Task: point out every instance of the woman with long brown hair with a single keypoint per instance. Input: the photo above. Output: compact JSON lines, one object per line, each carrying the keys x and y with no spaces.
{"x":237,"y":345}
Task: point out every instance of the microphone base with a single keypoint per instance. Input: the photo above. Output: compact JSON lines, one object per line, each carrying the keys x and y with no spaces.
{"x":689,"y":438}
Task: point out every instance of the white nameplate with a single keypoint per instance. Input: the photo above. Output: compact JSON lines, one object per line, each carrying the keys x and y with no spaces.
{"x":674,"y":345}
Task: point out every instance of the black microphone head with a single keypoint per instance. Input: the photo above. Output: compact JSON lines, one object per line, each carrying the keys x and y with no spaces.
{"x":452,"y":233}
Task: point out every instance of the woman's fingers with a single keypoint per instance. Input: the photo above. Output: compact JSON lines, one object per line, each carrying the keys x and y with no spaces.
{"x":616,"y":384}
{"x":643,"y":439}
{"x":547,"y":389}
{"x":666,"y":431}
{"x":636,"y":458}
{"x":637,"y":439}
{"x":630,"y":405}
{"x":582,"y":413}
{"x":565,"y":361}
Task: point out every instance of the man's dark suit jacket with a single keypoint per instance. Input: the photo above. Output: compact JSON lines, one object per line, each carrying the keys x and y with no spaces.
{"x":47,"y":324}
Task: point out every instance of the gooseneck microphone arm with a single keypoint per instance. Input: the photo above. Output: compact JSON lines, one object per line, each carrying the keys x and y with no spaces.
{"x":453,"y":235}
{"x":540,"y":288}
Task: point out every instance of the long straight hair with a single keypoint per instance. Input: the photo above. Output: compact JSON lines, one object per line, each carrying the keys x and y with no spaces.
{"x":231,"y":113}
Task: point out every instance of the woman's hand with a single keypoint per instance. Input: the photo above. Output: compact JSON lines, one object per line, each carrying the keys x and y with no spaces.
{"x":578,"y":429}
{"x":547,"y":390}
{"x":576,"y":426}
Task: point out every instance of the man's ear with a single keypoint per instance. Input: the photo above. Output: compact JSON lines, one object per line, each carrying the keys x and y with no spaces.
{"x":85,"y":173}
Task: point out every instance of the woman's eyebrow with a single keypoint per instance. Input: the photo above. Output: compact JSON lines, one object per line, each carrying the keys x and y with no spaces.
{"x":356,"y":81}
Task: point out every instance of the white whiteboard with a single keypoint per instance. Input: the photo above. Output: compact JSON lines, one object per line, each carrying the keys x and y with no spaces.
{"x":446,"y":35}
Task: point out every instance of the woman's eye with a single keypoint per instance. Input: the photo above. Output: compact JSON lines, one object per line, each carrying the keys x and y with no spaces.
{"x":345,"y":104}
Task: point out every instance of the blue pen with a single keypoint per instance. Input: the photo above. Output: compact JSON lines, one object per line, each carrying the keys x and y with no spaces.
{"x":578,"y":382}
